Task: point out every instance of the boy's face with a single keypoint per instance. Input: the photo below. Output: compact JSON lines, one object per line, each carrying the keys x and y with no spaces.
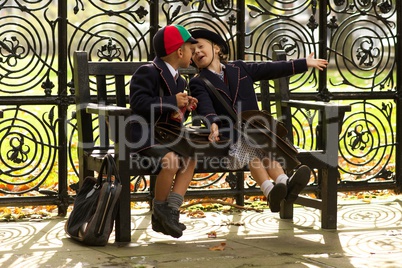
{"x":187,"y":51}
{"x":203,"y":53}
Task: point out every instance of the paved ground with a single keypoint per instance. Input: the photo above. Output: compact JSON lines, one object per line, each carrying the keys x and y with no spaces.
{"x":369,"y":234}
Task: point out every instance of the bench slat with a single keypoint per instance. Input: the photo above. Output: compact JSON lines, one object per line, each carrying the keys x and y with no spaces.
{"x":113,"y":68}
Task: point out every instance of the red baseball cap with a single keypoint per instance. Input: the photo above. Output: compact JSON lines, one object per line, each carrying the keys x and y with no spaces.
{"x":170,"y":38}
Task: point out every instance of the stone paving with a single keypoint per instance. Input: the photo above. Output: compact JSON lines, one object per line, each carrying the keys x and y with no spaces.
{"x":369,"y":234}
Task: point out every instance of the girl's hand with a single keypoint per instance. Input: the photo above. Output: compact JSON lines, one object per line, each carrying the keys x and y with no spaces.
{"x":192,"y":104}
{"x":319,"y":64}
{"x":214,"y":134}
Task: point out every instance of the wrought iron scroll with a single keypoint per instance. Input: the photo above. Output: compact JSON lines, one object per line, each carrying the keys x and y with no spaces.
{"x":367,"y":143}
{"x":362,"y":43}
{"x":27,"y":50}
{"x":28,"y":155}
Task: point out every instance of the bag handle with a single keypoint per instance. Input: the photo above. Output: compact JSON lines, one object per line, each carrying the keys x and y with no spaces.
{"x":109,"y":164}
{"x":230,"y":109}
{"x":220,"y":98}
{"x":113,"y":168}
{"x":109,"y":168}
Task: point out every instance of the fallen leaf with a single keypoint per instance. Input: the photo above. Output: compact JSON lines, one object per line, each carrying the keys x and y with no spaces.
{"x":220,"y":247}
{"x":196,"y":214}
{"x":212,"y":234}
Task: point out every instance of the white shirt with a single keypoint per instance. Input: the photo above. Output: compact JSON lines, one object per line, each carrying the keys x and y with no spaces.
{"x":175,"y":73}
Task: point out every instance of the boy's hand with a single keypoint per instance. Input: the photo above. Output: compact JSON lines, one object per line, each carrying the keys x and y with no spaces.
{"x":182,"y":99}
{"x":319,"y":64}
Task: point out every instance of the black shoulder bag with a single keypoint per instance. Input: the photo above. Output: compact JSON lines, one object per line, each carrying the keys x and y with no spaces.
{"x":95,"y":206}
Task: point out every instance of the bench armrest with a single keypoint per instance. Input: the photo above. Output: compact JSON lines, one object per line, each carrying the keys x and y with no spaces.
{"x":317,"y":105}
{"x":107,"y":110}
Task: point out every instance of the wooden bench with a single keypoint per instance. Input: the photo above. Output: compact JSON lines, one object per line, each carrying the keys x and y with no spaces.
{"x":101,"y":90}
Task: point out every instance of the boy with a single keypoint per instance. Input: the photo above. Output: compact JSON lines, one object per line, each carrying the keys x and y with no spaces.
{"x":157,"y":94}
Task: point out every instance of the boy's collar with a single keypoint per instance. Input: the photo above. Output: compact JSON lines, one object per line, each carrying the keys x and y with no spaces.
{"x":172,"y":70}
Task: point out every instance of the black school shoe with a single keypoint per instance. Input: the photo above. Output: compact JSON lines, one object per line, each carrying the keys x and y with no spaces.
{"x":297,"y":183}
{"x":158,"y":227}
{"x":275,"y":197}
{"x":169,"y":218}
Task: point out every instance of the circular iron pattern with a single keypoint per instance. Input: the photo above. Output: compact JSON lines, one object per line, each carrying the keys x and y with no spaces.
{"x":29,"y":151}
{"x":364,"y":55}
{"x":117,"y":36}
{"x":26,"y":51}
{"x":284,"y":8}
{"x":382,"y":9}
{"x":367,"y":139}
{"x":297,"y":41}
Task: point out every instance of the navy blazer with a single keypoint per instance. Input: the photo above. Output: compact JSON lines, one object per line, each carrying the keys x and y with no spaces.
{"x":238,"y":92}
{"x":148,"y":104}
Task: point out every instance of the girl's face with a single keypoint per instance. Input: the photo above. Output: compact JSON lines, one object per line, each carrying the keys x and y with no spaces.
{"x":203,"y":53}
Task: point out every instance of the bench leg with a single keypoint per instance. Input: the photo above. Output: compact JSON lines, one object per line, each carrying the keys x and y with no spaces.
{"x":123,"y":221}
{"x":152,"y":183}
{"x":286,"y":211}
{"x":329,"y":196}
{"x":240,"y":188}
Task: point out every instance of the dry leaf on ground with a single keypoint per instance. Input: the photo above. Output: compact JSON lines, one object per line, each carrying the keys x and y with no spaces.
{"x":212,"y":234}
{"x":196,"y":214}
{"x":220,"y":247}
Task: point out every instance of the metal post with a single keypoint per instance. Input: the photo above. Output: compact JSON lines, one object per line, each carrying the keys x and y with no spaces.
{"x":241,"y":28}
{"x":398,"y":100}
{"x":153,"y":24}
{"x":62,"y":107}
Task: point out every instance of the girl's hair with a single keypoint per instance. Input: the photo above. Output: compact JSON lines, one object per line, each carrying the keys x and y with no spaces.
{"x":222,"y":57}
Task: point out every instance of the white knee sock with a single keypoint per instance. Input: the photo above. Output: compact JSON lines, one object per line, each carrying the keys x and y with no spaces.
{"x":282,"y":179}
{"x":266,"y":187}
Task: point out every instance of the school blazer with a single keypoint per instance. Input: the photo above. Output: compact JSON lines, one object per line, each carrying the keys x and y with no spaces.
{"x":238,"y":91}
{"x":147,"y":104}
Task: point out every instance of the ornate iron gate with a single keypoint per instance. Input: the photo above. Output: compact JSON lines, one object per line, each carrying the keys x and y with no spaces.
{"x":37,"y":40}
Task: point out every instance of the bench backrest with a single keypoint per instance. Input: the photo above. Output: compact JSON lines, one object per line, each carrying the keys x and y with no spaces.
{"x":282,"y":93}
{"x":108,"y":83}
{"x":109,"y":87}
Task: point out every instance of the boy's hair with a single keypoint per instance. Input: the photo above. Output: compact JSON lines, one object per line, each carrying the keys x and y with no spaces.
{"x":170,"y":38}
